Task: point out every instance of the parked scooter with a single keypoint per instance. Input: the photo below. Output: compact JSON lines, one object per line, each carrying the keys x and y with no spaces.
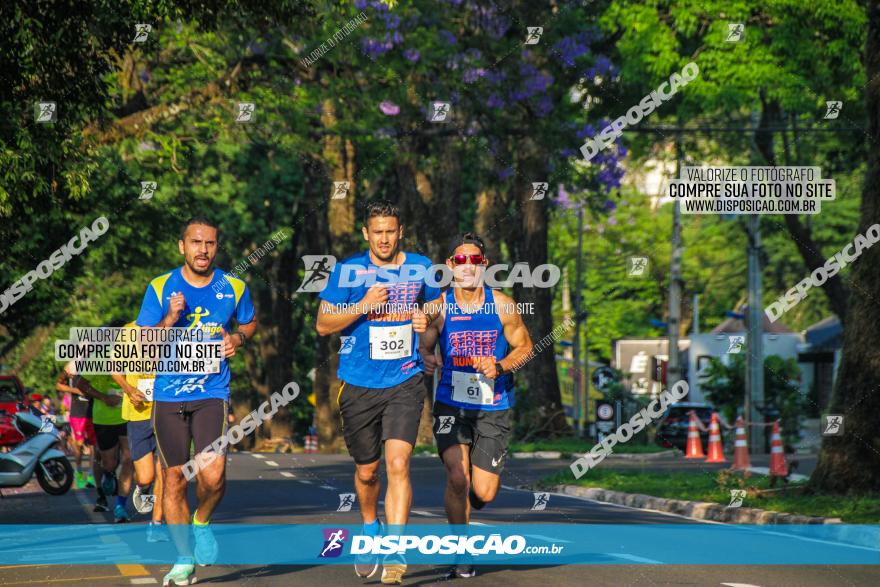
{"x":36,"y":453}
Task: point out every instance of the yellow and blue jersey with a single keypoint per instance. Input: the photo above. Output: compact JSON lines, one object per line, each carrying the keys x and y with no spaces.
{"x":209,"y":308}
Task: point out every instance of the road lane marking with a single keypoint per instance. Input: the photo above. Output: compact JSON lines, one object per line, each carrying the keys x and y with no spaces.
{"x":272,"y":463}
{"x":144,"y":581}
{"x":634,"y":558}
{"x":424,"y":513}
{"x":256,"y":456}
{"x":133,"y":570}
{"x":287,"y":474}
{"x":306,"y":481}
{"x":47,"y":581}
{"x":328,"y":487}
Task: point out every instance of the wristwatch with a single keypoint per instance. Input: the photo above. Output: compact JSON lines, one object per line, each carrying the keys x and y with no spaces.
{"x":499,"y":370}
{"x":242,"y":337}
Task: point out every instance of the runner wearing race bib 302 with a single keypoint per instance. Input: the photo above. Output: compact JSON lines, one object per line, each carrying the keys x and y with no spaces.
{"x":482,"y":337}
{"x":376,"y":300}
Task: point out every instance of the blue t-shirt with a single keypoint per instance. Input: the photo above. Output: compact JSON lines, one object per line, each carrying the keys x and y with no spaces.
{"x":209,"y":308}
{"x":466,"y":335}
{"x":373,"y":352}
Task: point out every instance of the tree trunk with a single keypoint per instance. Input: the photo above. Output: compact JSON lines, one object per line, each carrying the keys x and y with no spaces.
{"x":851,"y":462}
{"x":339,"y":156}
{"x":542,"y":409}
{"x":431,"y":203}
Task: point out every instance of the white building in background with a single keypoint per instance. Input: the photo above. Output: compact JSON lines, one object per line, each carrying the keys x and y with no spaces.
{"x":644,"y":360}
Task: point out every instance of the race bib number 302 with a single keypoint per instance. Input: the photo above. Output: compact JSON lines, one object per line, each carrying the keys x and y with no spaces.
{"x":388,"y":343}
{"x":472,"y":388}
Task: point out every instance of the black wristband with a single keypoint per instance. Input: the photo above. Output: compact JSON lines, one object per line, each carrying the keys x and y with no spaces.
{"x":242,"y":337}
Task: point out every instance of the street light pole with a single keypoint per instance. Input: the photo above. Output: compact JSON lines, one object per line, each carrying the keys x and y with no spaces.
{"x":576,"y":346}
{"x":755,"y":358}
{"x":673,"y":371}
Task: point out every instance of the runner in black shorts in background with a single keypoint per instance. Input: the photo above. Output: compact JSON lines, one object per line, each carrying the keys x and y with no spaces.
{"x":382,"y":392}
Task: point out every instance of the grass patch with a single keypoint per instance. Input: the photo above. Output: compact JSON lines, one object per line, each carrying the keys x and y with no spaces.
{"x":716,"y":488}
{"x":567,"y":446}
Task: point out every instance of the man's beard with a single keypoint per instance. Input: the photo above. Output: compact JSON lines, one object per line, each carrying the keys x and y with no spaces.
{"x":206,"y":271}
{"x":392,"y":256}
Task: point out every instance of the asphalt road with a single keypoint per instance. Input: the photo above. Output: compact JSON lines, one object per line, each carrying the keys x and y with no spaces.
{"x":303,"y":489}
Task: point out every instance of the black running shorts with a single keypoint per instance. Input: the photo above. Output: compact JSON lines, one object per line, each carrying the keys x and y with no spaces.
{"x":108,"y":435}
{"x":179,"y":425}
{"x":372,"y":416}
{"x":487,"y":433}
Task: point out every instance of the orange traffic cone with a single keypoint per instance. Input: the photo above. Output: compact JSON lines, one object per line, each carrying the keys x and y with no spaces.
{"x":694,"y":444}
{"x":778,"y":467}
{"x":741,"y":447}
{"x":716,"y":450}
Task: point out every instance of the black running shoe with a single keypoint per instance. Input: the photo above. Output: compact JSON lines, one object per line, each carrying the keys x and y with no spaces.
{"x":460,"y":572}
{"x":101,"y":504}
{"x":476,"y":502}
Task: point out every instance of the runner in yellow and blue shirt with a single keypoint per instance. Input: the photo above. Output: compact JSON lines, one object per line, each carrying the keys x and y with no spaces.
{"x":137,"y":408}
{"x":190,"y":409}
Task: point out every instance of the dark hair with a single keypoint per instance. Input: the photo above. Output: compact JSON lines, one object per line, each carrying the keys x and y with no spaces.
{"x":199,"y":220}
{"x":380,"y":208}
{"x":468,"y":238}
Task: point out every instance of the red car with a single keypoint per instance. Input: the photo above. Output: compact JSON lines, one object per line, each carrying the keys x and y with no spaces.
{"x":11,"y":401}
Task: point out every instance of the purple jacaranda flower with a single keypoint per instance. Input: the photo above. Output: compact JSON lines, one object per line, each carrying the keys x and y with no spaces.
{"x":389,"y":108}
{"x":373,"y":48}
{"x":392,"y":21}
{"x":505,"y":173}
{"x":473,"y":74}
{"x":360,"y":4}
{"x":473,"y":53}
{"x":569,"y":49}
{"x":543,"y":106}
{"x":609,"y":205}
{"x":145,"y":76}
{"x":448,"y":37}
{"x":612,"y":221}
{"x":588,"y":131}
{"x":495,"y":77}
{"x":412,"y":54}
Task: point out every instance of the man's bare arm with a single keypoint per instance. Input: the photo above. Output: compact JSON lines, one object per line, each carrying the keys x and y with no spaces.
{"x":515,"y":332}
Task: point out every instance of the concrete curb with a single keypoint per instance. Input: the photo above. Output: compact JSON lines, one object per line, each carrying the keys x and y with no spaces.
{"x":699,"y":510}
{"x":863,"y":535}
{"x":555,"y":454}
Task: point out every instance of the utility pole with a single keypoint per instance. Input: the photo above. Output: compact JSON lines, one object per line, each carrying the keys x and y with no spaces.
{"x":577,"y":376}
{"x":755,"y":340}
{"x":673,"y":371}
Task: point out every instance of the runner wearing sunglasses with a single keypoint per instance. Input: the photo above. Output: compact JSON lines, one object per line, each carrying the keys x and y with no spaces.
{"x":482,"y":337}
{"x":382,"y":392}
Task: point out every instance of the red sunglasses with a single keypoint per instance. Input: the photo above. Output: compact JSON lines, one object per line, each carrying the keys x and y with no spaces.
{"x":473,"y":259}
